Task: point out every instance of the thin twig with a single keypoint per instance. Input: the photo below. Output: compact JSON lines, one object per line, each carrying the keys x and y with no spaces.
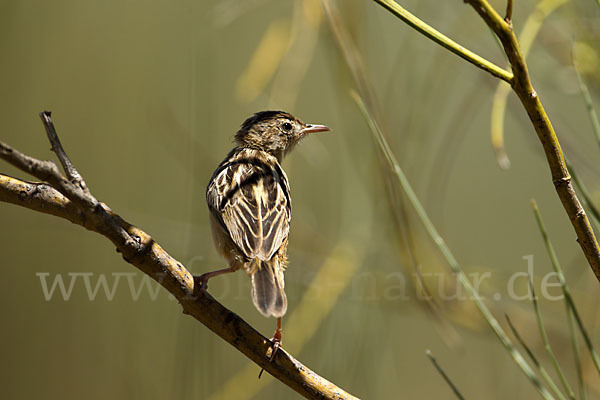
{"x":444,"y":375}
{"x":445,"y":41}
{"x":575,"y":350}
{"x":589,"y":105}
{"x":65,"y":199}
{"x":46,"y":171}
{"x":546,"y":341}
{"x":565,"y":288}
{"x":535,"y":361}
{"x":509,"y":8}
{"x":570,"y":310}
{"x":70,"y":170}
{"x":585,"y":194}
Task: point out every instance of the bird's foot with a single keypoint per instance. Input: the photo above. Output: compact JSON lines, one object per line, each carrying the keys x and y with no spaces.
{"x":202,"y":281}
{"x":276,"y":341}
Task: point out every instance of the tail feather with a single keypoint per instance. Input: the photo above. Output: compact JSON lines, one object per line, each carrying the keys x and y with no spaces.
{"x":267,"y":289}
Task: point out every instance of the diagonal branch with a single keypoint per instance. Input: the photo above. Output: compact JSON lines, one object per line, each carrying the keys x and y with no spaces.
{"x":523,"y":88}
{"x":70,"y":199}
{"x":521,"y":84}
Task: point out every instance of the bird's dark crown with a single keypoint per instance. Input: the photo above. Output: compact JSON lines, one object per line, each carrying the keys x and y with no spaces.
{"x":275,"y":132}
{"x":264,"y":116}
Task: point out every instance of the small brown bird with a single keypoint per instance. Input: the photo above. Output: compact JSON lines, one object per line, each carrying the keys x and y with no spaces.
{"x":249,"y":201}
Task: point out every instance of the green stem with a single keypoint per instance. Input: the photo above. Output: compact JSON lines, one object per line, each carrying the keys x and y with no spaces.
{"x":588,"y":101}
{"x":535,"y":361}
{"x":445,"y":41}
{"x":544,"y":335}
{"x":587,"y":198}
{"x":445,"y":250}
{"x":564,"y":286}
{"x":444,"y":375}
{"x":575,"y":349}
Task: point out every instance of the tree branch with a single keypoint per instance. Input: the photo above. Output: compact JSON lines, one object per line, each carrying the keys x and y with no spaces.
{"x":523,"y":88}
{"x":521,"y":85}
{"x":70,"y":199}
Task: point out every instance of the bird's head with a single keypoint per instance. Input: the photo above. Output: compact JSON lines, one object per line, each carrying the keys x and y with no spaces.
{"x":275,"y":132}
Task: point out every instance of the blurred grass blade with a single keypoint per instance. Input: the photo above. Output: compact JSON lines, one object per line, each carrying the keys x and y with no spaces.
{"x":564,"y":286}
{"x":586,"y":94}
{"x":444,"y":375}
{"x":357,"y":68}
{"x":497,"y":124}
{"x":351,"y":54}
{"x":547,"y":346}
{"x":445,"y":250}
{"x":265,"y":60}
{"x":526,"y":38}
{"x":535,"y":361}
{"x":306,"y":19}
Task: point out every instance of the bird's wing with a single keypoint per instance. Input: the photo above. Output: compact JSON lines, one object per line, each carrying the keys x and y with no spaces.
{"x":252,"y":202}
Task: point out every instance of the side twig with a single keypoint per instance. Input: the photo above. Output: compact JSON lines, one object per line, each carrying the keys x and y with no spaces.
{"x":70,"y":199}
{"x":444,"y":375}
{"x":509,"y":8}
{"x":57,"y":148}
{"x":535,"y":361}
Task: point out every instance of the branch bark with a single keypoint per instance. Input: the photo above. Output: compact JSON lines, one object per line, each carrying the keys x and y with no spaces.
{"x":523,"y":88}
{"x":70,"y":199}
{"x":521,"y":84}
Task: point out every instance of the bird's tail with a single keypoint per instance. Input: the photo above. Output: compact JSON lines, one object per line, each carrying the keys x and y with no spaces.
{"x":267,"y":288}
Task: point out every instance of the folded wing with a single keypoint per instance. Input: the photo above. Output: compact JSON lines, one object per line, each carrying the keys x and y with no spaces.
{"x":251,"y":200}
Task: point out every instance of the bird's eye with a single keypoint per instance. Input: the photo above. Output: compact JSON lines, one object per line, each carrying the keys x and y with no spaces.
{"x":287,"y":126}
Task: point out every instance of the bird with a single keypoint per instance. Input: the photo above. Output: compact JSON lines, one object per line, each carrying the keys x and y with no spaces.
{"x":249,"y":203}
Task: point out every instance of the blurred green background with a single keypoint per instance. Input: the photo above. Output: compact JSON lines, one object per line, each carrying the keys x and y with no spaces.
{"x":146,"y":97}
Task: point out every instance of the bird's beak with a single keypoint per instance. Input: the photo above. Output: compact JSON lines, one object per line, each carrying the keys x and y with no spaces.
{"x":311,"y":128}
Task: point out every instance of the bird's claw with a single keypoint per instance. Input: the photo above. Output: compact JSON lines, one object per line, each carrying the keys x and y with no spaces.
{"x":276,"y":340}
{"x":276,"y":345}
{"x":202,"y":282}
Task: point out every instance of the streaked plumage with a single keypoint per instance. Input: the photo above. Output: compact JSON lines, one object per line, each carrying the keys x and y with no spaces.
{"x":249,"y":200}
{"x":250,"y":206}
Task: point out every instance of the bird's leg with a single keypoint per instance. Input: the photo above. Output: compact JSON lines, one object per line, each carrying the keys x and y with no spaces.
{"x":276,"y":340}
{"x":202,"y":280}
